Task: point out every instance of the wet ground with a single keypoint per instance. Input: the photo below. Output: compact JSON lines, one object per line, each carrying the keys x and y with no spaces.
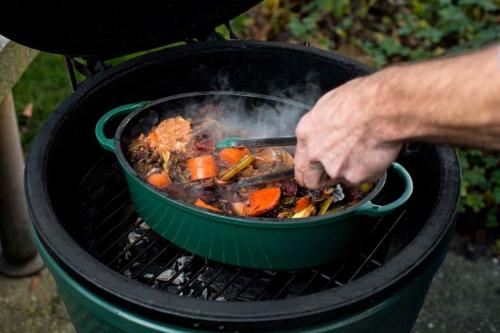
{"x":464,"y":297}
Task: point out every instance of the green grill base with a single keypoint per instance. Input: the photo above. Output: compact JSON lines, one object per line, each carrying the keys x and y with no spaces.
{"x":92,"y":314}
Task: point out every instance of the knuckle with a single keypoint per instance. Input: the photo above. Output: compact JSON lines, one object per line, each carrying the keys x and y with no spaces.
{"x":334,"y":170}
{"x":355,"y":178}
{"x":301,"y":131}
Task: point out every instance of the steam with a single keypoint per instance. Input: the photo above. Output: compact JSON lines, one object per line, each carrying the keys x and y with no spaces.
{"x":259,"y":117}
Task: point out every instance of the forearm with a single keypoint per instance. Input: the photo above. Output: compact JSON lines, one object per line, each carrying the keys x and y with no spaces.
{"x":454,"y":100}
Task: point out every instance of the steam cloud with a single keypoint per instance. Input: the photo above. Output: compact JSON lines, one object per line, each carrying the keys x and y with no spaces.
{"x":262,"y":118}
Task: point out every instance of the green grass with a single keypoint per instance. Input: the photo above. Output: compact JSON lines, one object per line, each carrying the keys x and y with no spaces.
{"x":44,"y":84}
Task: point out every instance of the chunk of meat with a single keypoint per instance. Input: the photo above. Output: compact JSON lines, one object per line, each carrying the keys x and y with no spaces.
{"x":267,"y":155}
{"x":205,"y":145}
{"x":172,"y":134}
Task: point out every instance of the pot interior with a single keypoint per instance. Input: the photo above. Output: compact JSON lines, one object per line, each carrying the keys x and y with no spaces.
{"x":256,"y":115}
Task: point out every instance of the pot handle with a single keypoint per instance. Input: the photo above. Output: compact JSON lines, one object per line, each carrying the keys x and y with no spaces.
{"x":371,"y":209}
{"x":105,"y":142}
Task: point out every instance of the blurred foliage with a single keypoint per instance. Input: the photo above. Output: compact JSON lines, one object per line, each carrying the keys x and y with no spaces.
{"x":381,"y":33}
{"x":44,"y":85}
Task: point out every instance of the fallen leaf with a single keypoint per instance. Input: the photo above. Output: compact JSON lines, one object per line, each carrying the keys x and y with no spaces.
{"x":35,"y":282}
{"x":28,"y":111}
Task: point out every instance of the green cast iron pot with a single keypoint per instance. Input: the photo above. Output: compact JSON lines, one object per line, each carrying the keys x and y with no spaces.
{"x":261,"y":243}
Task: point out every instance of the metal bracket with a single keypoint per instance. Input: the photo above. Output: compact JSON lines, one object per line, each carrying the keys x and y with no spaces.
{"x":88,"y":68}
{"x":232,"y":35}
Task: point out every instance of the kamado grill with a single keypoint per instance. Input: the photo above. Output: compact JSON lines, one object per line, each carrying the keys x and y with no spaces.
{"x":116,"y":275}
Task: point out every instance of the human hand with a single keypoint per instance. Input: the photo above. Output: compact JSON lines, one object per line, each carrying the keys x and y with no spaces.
{"x":346,"y":137}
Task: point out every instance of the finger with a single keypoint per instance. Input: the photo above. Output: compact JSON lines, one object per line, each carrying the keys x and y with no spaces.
{"x":314,"y":175}
{"x":300,"y":162}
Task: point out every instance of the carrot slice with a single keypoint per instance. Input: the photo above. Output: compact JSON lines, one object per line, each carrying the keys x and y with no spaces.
{"x":202,"y":167}
{"x":233,"y":155}
{"x":160,"y":179}
{"x":302,"y":203}
{"x":263,"y":201}
{"x":203,"y":204}
{"x":152,"y":139}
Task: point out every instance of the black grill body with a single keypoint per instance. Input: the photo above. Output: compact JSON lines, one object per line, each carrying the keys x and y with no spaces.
{"x":89,"y":228}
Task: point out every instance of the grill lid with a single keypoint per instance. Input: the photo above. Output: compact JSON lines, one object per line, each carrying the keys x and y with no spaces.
{"x":107,"y":29}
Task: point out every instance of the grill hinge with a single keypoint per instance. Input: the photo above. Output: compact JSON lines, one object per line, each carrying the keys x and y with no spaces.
{"x":87,"y":67}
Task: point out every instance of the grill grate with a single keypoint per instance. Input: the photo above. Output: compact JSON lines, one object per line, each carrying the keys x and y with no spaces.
{"x":107,"y":226}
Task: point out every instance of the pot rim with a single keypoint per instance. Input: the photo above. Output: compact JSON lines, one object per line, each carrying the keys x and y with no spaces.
{"x":264,"y":222}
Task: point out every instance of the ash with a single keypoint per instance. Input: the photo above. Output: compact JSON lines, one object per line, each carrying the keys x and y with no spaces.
{"x":184,"y":274}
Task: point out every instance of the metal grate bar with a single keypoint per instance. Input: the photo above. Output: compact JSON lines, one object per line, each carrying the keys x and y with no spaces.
{"x":309,"y":282}
{"x":110,"y":215}
{"x":286,"y":285}
{"x":119,"y":224}
{"x":368,"y":258}
{"x":107,"y":215}
{"x":209,"y":282}
{"x":120,"y":238}
{"x":101,"y":221}
{"x":83,"y":222}
{"x":151,"y":261}
{"x":371,"y":260}
{"x":228,"y":283}
{"x":94,"y":169}
{"x":245,"y":286}
{"x":191,"y":280}
{"x":128,"y":247}
{"x":176,"y":274}
{"x":332,"y":278}
{"x":164,"y":267}
{"x":138,"y":255}
{"x":379,"y":223}
{"x":260,"y":294}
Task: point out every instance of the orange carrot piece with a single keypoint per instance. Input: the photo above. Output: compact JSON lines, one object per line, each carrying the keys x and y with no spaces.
{"x":233,"y":155}
{"x":203,"y":204}
{"x":302,"y":203}
{"x":263,"y":201}
{"x":152,"y":139}
{"x":202,"y":167}
{"x":160,"y":179}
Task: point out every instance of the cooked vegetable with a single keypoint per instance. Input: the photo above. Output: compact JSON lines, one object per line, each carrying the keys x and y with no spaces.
{"x":233,"y":155}
{"x":366,"y":187}
{"x":178,"y":157}
{"x":166,"y":159}
{"x":233,"y":171}
{"x":152,"y":139}
{"x":306,"y":212}
{"x":263,"y":201}
{"x":203,"y":204}
{"x":325,"y":205}
{"x":302,"y":203}
{"x":159,"y":179}
{"x":202,"y":167}
{"x":239,"y":208}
